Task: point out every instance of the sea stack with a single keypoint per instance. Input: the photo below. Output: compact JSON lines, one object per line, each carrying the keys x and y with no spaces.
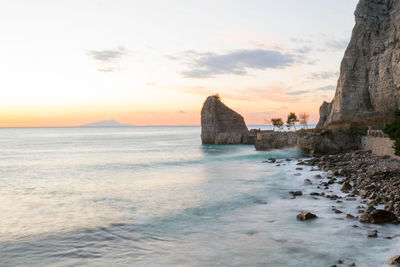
{"x":222,"y":125}
{"x":369,"y":82}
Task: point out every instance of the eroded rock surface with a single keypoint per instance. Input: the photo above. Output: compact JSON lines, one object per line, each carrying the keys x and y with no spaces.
{"x":369,"y":82}
{"x":274,"y":140}
{"x":222,"y":125}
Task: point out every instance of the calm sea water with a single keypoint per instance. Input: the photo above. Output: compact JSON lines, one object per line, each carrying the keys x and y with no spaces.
{"x":155,"y":196}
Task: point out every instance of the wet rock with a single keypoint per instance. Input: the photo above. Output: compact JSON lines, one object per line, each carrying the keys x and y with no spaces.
{"x":297,"y":174}
{"x":296,"y":193}
{"x":299,"y":169}
{"x":350,"y":216}
{"x":395,"y":260}
{"x":307,"y":182}
{"x":271,"y":160}
{"x":378,"y":217}
{"x":372,"y":233}
{"x":318,"y":176}
{"x":362,"y":193}
{"x":346,"y":187}
{"x":306,"y":215}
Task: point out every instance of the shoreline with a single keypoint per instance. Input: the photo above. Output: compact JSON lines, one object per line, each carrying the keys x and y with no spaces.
{"x":373,"y":178}
{"x":366,"y":182}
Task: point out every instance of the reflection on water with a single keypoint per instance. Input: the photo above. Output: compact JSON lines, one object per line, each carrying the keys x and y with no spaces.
{"x":155,"y":196}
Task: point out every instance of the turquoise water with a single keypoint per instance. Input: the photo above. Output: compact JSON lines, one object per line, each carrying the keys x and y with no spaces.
{"x":155,"y":196}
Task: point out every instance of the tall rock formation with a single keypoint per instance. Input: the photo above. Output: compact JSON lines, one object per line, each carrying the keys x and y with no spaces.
{"x":222,"y":125}
{"x":369,"y":82}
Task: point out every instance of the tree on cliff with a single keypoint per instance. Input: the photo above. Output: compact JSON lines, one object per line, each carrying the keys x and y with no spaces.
{"x":291,"y":120}
{"x":277,"y":122}
{"x":303,"y":119}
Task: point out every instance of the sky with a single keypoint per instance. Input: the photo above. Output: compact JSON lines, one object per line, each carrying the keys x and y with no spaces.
{"x":71,"y":62}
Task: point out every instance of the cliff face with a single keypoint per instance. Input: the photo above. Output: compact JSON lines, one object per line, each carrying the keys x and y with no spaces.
{"x":369,"y":82}
{"x":222,"y":125}
{"x":268,"y":140}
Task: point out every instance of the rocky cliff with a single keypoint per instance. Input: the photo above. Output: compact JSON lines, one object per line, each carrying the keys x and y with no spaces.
{"x":267,"y":140}
{"x":222,"y":125}
{"x":369,"y":82}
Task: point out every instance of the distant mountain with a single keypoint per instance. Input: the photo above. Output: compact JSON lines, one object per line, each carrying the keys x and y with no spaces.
{"x":110,"y":123}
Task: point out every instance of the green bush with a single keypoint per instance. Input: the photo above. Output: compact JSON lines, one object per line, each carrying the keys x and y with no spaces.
{"x":393,"y":130}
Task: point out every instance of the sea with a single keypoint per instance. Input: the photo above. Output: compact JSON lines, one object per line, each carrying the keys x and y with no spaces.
{"x":155,"y":196}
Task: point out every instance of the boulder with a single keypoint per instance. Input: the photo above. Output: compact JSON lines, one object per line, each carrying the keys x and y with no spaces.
{"x":372,"y":233}
{"x":395,"y":260}
{"x":222,"y":125}
{"x":346,"y":187}
{"x":307,"y":182}
{"x":378,"y":217}
{"x":296,"y":193}
{"x":306,"y":215}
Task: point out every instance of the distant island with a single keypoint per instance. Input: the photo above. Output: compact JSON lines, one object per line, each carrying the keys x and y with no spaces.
{"x":109,"y":123}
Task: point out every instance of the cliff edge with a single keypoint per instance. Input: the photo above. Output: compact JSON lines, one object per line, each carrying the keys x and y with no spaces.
{"x":222,"y":125}
{"x":369,"y":82}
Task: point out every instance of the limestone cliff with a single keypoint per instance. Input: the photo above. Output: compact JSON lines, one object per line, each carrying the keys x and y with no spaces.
{"x":267,"y":140}
{"x":222,"y":125}
{"x":369,"y":82}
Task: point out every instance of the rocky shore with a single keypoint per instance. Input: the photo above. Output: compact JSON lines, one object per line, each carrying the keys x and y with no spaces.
{"x":372,"y":182}
{"x":375,"y":179}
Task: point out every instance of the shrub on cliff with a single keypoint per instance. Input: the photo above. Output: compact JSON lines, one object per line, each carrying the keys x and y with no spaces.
{"x":291,"y":120}
{"x":393,"y":130}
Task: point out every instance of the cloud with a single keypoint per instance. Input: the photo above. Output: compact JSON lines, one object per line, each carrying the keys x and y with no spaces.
{"x":106,"y":59}
{"x":304,"y":50}
{"x":263,"y":113}
{"x":327,"y":88}
{"x":181,"y":112}
{"x":300,"y":92}
{"x":107,"y":55}
{"x":301,"y":40}
{"x":323,"y":75}
{"x":105,"y":69}
{"x":275,"y":93}
{"x":336,"y":45}
{"x":208,"y":65}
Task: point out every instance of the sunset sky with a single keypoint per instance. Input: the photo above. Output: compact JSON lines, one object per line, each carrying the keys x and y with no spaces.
{"x":66,"y":63}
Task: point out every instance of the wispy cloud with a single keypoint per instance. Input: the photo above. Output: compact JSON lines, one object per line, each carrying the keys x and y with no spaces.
{"x":208,"y":65}
{"x":106,"y":58}
{"x":274,"y":93}
{"x":263,"y":113}
{"x":327,"y":88}
{"x":181,"y":112}
{"x":304,"y":50}
{"x":336,"y":45}
{"x":323,"y":75}
{"x":107,"y":55}
{"x":300,"y":92}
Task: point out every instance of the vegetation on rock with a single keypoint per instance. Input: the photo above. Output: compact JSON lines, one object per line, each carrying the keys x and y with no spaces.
{"x":393,"y":130}
{"x":277,"y":122}
{"x":291,"y":120}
